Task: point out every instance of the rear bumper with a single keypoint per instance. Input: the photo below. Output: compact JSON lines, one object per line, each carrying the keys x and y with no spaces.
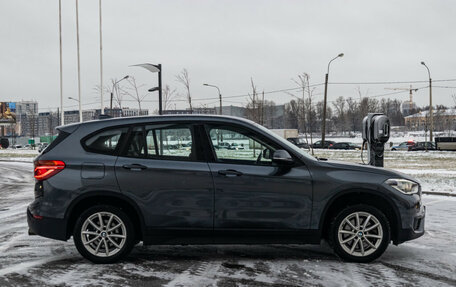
{"x":416,"y":230}
{"x":54,"y":228}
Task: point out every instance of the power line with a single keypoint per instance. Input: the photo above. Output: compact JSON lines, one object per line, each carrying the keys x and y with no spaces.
{"x":388,"y":83}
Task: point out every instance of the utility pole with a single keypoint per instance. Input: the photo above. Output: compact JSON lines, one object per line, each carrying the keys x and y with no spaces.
{"x":323,"y":123}
{"x":61,"y":67}
{"x":431,"y":115}
{"x":79,"y":62}
{"x":101,"y":61}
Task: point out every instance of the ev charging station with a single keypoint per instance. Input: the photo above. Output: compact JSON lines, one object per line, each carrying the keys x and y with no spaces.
{"x":376,"y":132}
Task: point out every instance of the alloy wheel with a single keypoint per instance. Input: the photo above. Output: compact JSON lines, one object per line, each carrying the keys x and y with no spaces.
{"x":360,"y":234}
{"x":103,"y":234}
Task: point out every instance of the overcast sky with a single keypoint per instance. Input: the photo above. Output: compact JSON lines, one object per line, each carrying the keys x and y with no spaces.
{"x":225,"y":43}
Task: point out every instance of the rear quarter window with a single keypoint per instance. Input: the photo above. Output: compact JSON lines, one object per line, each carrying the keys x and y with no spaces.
{"x":62,"y":135}
{"x":107,"y":141}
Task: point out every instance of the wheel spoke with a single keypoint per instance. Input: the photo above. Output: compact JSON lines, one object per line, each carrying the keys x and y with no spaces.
{"x":106,"y":246}
{"x":370,"y":243}
{"x":371,"y":227}
{"x":116,"y":235}
{"x":349,"y":223}
{"x":115,"y":227}
{"x":367,"y":221}
{"x":373,"y":236}
{"x":346,"y":232}
{"x":94,"y":225}
{"x":362,"y":246}
{"x":357,"y":221}
{"x":109,"y":221}
{"x":354,"y":245}
{"x":89,"y":233}
{"x":101,"y":220}
{"x":91,"y":240}
{"x":113,"y":242}
{"x":98,"y":246}
{"x":348,"y":239}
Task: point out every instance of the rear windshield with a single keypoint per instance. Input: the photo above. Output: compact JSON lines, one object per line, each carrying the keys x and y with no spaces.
{"x":62,"y":135}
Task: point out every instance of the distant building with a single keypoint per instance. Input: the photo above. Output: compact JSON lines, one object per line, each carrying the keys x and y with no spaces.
{"x":46,"y":122}
{"x":444,"y":119}
{"x":197,"y":111}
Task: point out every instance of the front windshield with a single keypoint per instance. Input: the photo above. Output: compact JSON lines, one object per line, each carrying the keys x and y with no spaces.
{"x":286,"y":143}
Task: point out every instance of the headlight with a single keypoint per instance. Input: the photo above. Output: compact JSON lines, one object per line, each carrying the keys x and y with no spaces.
{"x":403,"y":185}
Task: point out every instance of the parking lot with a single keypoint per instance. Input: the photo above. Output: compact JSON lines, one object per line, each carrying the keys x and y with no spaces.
{"x":427,"y":261}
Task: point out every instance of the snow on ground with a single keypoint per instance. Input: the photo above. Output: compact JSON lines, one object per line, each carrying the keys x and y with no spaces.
{"x":36,"y":261}
{"x":21,"y":155}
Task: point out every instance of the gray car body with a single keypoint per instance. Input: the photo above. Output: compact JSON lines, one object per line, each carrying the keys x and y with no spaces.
{"x":189,"y":202}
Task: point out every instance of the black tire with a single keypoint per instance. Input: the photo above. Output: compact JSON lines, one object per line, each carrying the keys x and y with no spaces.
{"x":126,"y":243}
{"x":360,"y":236}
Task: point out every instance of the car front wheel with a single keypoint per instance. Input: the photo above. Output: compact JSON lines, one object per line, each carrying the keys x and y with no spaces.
{"x":360,"y":233}
{"x":104,"y":234}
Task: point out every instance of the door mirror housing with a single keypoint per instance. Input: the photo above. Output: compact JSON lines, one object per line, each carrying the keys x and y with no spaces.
{"x":282,"y":156}
{"x":267,"y":154}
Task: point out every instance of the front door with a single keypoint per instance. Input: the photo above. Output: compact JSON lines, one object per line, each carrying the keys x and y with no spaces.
{"x":161,"y":169}
{"x":253,"y":194}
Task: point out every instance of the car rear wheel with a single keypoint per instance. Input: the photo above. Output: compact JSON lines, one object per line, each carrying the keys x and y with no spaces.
{"x":360,"y":233}
{"x":104,"y":234}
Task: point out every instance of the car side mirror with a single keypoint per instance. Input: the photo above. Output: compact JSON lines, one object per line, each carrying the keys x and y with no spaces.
{"x":267,"y":154}
{"x":282,"y":156}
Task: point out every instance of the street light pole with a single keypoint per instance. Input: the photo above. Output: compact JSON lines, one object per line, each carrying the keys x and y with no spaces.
{"x":155,"y":69}
{"x":112,"y":92}
{"x":220,"y":95}
{"x":323,"y":124}
{"x":431,"y":115}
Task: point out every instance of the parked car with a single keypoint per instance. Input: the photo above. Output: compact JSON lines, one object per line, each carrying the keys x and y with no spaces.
{"x":98,"y":183}
{"x":403,"y":146}
{"x":42,"y":147}
{"x":235,"y":146}
{"x":299,"y":142}
{"x":318,"y":144}
{"x":222,"y":145}
{"x":423,"y":146}
{"x":345,"y":145}
{"x":16,"y":146}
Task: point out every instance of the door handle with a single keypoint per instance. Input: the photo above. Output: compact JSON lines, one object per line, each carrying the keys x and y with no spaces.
{"x":230,"y":172}
{"x":135,"y":166}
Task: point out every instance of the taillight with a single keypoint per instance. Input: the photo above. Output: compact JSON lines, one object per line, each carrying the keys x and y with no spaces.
{"x":45,"y":169}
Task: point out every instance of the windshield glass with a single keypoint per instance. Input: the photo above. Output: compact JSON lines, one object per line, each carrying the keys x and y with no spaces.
{"x":286,"y":143}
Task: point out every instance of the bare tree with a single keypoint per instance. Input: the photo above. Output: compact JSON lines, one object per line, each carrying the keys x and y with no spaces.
{"x":253,"y":108}
{"x":168,"y":96}
{"x":133,"y":91}
{"x":454,"y":99}
{"x":184,"y":79}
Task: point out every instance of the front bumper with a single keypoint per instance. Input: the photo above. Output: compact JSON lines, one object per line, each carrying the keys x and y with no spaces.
{"x":415,"y":230}
{"x":54,"y":228}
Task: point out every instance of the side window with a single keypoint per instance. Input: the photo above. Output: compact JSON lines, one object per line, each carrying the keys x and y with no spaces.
{"x":161,"y":142}
{"x":237,"y":145}
{"x":173,"y":141}
{"x":106,"y":141}
{"x":136,"y":145}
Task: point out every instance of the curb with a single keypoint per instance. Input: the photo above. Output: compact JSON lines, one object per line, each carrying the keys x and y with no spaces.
{"x":439,"y":193}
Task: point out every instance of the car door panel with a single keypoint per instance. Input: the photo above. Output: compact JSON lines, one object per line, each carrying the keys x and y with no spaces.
{"x":263,"y":197}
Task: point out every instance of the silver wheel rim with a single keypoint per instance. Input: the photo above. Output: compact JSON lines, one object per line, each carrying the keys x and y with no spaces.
{"x":103,"y":234}
{"x":360,"y":234}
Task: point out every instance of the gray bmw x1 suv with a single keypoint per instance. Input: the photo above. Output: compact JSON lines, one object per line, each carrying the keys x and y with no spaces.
{"x":211,"y":180}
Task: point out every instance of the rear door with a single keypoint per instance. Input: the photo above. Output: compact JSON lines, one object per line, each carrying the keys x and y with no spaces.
{"x":253,"y":195}
{"x":163,"y":169}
